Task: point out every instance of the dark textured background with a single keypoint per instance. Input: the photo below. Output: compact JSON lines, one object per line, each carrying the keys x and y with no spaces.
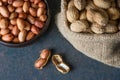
{"x":17,"y":63}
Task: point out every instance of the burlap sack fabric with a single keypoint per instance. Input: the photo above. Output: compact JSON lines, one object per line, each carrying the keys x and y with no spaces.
{"x":104,"y":48}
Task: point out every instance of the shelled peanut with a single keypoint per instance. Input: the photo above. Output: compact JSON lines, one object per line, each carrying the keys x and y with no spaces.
{"x":21,"y":20}
{"x":93,"y":16}
{"x":43,"y":59}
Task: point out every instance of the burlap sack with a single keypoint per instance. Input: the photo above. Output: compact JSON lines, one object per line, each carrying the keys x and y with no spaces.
{"x":104,"y":48}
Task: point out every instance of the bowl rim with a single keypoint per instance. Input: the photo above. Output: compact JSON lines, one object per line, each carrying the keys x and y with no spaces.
{"x":10,"y":44}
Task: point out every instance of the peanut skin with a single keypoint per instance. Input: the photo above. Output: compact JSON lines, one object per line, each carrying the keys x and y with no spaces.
{"x":10,"y":8}
{"x":3,"y":23}
{"x":4,"y":11}
{"x":45,"y":54}
{"x":20,"y":24}
{"x":22,"y":35}
{"x":42,"y":4}
{"x":22,"y":15}
{"x":16,"y":40}
{"x":43,"y":59}
{"x":4,"y":31}
{"x":41,"y":11}
{"x":40,"y":63}
{"x":30,"y":36}
{"x":43,"y":18}
{"x":7,"y":37}
{"x":15,"y":31}
{"x":10,"y":1}
{"x":26,"y":6}
{"x":31,"y":19}
{"x":18,"y":3}
{"x":35,"y":29}
{"x":39,"y":24}
{"x":33,"y":12}
{"x":36,"y":1}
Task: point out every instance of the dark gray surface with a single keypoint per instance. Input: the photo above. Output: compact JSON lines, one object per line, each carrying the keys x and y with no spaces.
{"x":18,"y":63}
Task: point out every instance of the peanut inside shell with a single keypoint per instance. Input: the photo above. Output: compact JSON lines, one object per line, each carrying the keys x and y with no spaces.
{"x":97,"y":13}
{"x":43,"y":59}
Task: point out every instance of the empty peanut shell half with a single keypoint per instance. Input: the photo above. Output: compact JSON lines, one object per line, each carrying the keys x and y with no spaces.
{"x":59,"y":64}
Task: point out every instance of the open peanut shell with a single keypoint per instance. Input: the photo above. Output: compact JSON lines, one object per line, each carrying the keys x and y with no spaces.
{"x":59,"y":64}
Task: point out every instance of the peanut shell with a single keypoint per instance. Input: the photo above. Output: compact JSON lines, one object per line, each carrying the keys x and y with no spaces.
{"x":72,"y":14}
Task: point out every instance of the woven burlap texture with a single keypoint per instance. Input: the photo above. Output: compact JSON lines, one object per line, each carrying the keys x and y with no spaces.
{"x":104,"y":48}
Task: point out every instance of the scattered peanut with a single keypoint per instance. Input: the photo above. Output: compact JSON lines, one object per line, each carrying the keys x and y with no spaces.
{"x":43,"y":59}
{"x":40,"y":63}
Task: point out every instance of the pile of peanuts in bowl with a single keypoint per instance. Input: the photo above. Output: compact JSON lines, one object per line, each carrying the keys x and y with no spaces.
{"x":21,"y":20}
